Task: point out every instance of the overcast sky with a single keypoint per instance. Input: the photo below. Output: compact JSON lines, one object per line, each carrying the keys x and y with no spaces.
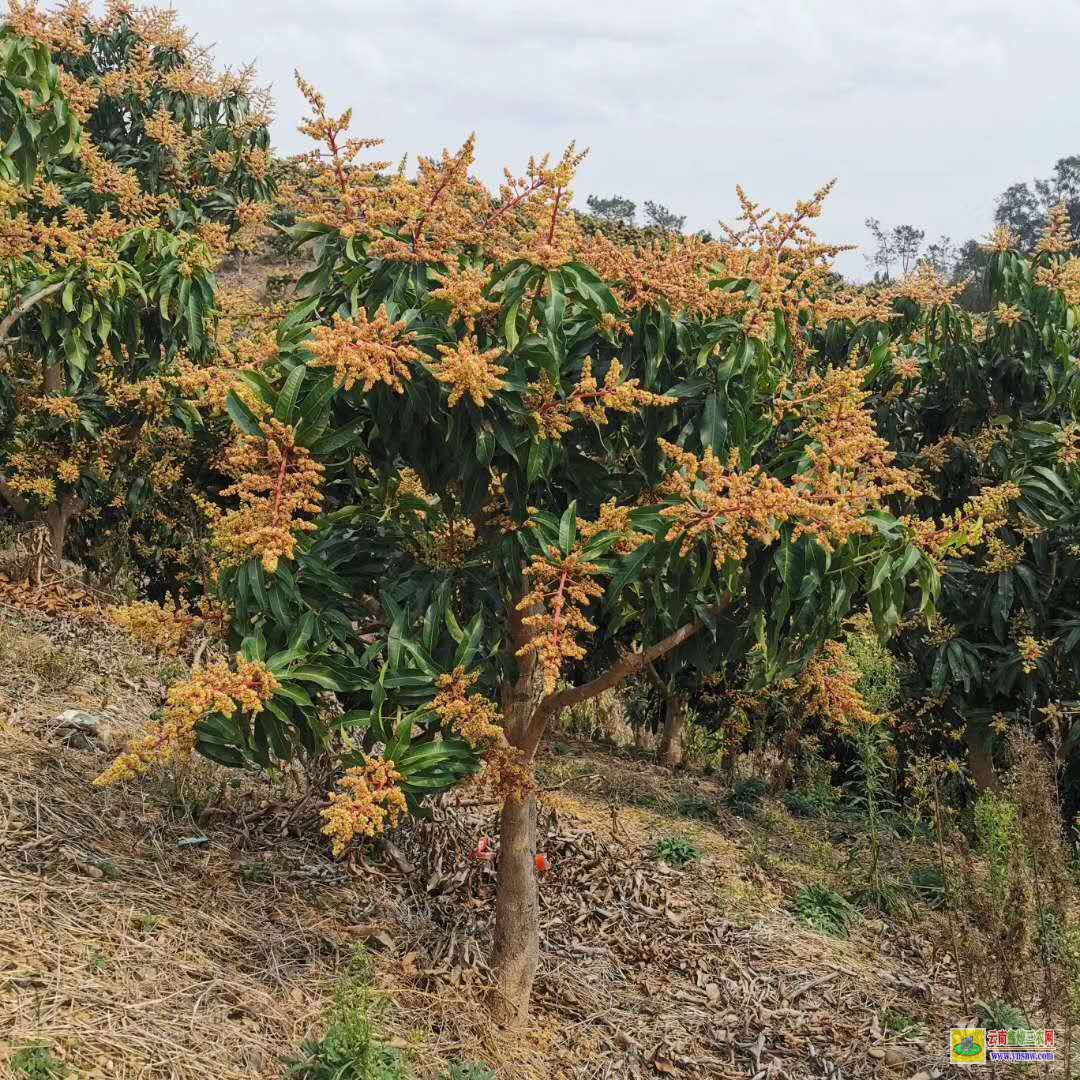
{"x":923,"y":109}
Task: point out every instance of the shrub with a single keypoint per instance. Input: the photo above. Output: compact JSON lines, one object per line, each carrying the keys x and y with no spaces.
{"x":468,"y":1071}
{"x":676,"y":851}
{"x":36,"y":1062}
{"x":821,"y":908}
{"x":351,"y":1048}
{"x":746,"y":796}
{"x":811,"y":802}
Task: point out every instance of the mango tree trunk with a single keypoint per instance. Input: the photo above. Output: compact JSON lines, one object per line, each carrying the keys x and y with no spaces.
{"x":671,"y":751}
{"x":527,"y":710}
{"x":517,"y":912}
{"x":980,"y":760}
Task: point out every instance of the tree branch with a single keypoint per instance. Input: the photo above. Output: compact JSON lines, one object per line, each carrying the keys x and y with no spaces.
{"x":13,"y":316}
{"x":622,"y":669}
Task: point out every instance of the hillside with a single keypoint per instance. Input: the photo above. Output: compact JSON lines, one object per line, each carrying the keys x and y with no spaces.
{"x":196,"y":928}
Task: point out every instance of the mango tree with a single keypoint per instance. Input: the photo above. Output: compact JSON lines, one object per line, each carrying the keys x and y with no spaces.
{"x":985,"y":408}
{"x":129,"y":168}
{"x":489,"y":441}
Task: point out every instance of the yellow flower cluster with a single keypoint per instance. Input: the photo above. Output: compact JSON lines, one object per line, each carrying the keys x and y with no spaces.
{"x":614,"y":519}
{"x":849,"y":472}
{"x":507,"y":774}
{"x":1069,"y":444}
{"x":1056,"y":238}
{"x":463,"y":289}
{"x":447,"y":545}
{"x":216,"y":689}
{"x":166,"y":628}
{"x":1063,"y":276}
{"x":961,"y":532}
{"x":366,"y":351}
{"x":553,"y":415}
{"x":1031,"y":650}
{"x":1000,"y":556}
{"x":828,"y":688}
{"x":277,"y":481}
{"x":561,"y":587}
{"x":468,"y":371}
{"x":475,"y":717}
{"x":1007,"y":314}
{"x":368,"y":800}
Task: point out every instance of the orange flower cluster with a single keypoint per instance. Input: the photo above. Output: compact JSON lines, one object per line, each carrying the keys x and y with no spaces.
{"x":366,"y":351}
{"x":216,"y":689}
{"x":961,"y":532}
{"x":848,"y":471}
{"x":553,"y":415}
{"x":1056,"y":238}
{"x":828,"y":688}
{"x":463,"y":288}
{"x":615,"y":519}
{"x":468,"y":371}
{"x":562,"y":586}
{"x":368,"y":800}
{"x":166,"y":628}
{"x":276,"y":482}
{"x":473,"y":716}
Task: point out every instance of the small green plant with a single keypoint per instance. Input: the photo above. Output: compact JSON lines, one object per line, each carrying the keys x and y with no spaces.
{"x":467,"y":1071}
{"x":929,"y":884}
{"x":676,"y":851}
{"x":695,"y":808}
{"x":746,"y":796}
{"x":351,"y":1048}
{"x":823,"y":909}
{"x":900,"y":1023}
{"x":36,"y":1062}
{"x":870,"y":794}
{"x":997,"y":1013}
{"x":816,"y":801}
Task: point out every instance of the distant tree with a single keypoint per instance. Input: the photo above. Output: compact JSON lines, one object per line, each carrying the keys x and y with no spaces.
{"x":900,"y":245}
{"x":884,"y":254}
{"x":659,"y":216}
{"x":908,"y":241}
{"x":970,"y":263}
{"x":1019,"y":210}
{"x":1024,"y":208}
{"x":614,"y":210}
{"x":942,"y":255}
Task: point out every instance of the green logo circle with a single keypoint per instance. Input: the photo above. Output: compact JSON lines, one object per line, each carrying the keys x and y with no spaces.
{"x":967,"y":1051}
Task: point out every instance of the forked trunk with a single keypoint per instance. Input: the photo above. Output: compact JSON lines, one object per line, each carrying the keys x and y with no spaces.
{"x":517,"y":913}
{"x":980,"y":761}
{"x":671,"y":751}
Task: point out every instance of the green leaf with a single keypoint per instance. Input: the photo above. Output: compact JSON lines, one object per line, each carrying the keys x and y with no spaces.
{"x":629,"y":570}
{"x":242,"y":416}
{"x":568,"y":528}
{"x":289,"y":393}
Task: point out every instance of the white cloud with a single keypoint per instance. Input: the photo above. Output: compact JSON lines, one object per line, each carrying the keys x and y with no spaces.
{"x":924,"y":109}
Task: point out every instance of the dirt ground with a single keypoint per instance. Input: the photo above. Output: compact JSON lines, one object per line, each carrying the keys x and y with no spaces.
{"x":195,"y":928}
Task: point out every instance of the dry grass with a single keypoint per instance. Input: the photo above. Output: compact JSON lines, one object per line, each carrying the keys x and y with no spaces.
{"x":136,"y":957}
